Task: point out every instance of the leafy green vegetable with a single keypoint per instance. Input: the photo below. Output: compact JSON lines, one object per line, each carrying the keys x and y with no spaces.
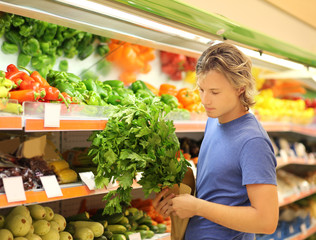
{"x":137,"y":139}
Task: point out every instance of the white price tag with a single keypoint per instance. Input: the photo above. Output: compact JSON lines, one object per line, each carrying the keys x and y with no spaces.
{"x":14,"y":190}
{"x":51,"y":186}
{"x":134,"y":236}
{"x":88,"y":179}
{"x":52,"y":115}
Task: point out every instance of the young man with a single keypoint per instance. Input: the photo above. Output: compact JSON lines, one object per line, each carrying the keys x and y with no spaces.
{"x":236,"y":192}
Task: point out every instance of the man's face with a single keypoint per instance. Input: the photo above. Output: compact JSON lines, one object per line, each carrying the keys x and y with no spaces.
{"x":219,"y":98}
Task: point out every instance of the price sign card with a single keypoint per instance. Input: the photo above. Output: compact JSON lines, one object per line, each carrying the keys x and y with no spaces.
{"x":134,"y":236}
{"x":14,"y":190}
{"x":88,"y":179}
{"x":52,"y":115}
{"x":51,"y":186}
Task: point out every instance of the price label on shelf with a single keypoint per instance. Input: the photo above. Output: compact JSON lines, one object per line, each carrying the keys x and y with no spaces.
{"x":134,"y":236}
{"x":51,"y":186}
{"x":14,"y":190}
{"x":52,"y":115}
{"x":88,"y":179}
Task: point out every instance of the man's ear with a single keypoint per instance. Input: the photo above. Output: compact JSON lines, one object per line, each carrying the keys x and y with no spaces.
{"x":241,"y":90}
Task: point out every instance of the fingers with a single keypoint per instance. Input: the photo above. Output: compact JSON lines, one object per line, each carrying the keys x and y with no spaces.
{"x":166,"y":210}
{"x":159,"y":196}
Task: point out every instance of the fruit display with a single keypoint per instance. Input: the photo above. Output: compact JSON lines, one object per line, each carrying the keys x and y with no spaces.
{"x":33,"y":222}
{"x":270,"y":108}
{"x":38,"y":222}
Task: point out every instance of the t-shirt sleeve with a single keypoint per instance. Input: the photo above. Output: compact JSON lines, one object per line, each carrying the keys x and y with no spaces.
{"x":258,"y":162}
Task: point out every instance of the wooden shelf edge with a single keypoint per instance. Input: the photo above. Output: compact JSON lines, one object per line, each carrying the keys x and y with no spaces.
{"x":39,"y":196}
{"x":296,"y":197}
{"x":11,"y":123}
{"x":310,"y":231}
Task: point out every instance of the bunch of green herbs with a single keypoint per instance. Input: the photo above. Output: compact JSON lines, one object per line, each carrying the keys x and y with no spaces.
{"x":137,"y":139}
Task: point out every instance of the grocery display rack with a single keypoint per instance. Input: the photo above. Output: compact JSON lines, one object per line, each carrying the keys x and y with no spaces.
{"x":71,"y":15}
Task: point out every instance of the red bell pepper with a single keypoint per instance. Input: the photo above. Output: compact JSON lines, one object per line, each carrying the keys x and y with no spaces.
{"x":27,"y":95}
{"x":37,"y":77}
{"x":53,"y":94}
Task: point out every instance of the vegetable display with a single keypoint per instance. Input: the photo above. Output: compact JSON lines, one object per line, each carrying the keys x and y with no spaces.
{"x":137,"y":139}
{"x":41,"y":43}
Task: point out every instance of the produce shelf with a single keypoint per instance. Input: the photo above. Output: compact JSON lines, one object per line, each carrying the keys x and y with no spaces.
{"x":69,"y":191}
{"x":309,"y":130}
{"x":295,"y":197}
{"x":310,"y":231}
{"x":37,"y":125}
{"x":11,"y":123}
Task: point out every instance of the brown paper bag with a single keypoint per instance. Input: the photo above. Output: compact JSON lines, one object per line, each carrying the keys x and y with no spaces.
{"x":178,"y":225}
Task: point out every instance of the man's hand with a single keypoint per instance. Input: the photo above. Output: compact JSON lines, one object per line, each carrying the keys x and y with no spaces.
{"x":162,"y":203}
{"x":185,"y":205}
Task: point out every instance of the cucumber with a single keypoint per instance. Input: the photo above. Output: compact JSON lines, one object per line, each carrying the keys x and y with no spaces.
{"x":112,"y":219}
{"x":149,"y":234}
{"x":142,"y":227}
{"x":154,"y":228}
{"x":84,"y":216}
{"x":96,"y":227}
{"x":83,"y":233}
{"x":143,"y":233}
{"x":161,"y":228}
{"x":123,"y":221}
{"x":101,"y":238}
{"x":119,"y":229}
{"x":118,"y":237}
{"x":108,"y":234}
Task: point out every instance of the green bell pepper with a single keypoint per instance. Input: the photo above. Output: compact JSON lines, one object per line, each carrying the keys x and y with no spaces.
{"x":50,"y":32}
{"x":23,"y":59}
{"x":170,"y":100}
{"x":114,"y":83}
{"x":86,"y":52}
{"x":137,"y":85}
{"x":93,"y":98}
{"x":102,"y":49}
{"x":90,"y":85}
{"x":31,"y":47}
{"x":115,"y":100}
{"x":9,"y":48}
{"x":63,"y":65}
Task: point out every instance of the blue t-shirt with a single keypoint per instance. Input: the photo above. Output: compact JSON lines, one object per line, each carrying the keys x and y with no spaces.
{"x":231,"y":156}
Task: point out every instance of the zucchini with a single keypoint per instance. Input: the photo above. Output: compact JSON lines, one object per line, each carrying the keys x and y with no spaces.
{"x":108,"y":234}
{"x":101,"y":238}
{"x":123,"y":221}
{"x":142,"y":227}
{"x":161,"y":228}
{"x":118,"y":237}
{"x":117,"y":228}
{"x":96,"y":227}
{"x":143,"y":233}
{"x":149,"y":234}
{"x":154,"y":228}
{"x":112,"y":219}
{"x":83,"y":233}
{"x":84,"y":216}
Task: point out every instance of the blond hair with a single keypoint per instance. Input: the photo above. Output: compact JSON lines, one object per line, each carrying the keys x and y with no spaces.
{"x":236,"y":67}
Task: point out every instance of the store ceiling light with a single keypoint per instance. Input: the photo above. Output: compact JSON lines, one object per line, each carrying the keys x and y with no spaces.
{"x":128,"y":17}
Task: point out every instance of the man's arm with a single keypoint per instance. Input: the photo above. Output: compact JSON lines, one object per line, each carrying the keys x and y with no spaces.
{"x":261,"y":217}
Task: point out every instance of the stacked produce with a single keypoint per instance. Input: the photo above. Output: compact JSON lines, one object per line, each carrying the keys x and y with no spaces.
{"x":174,"y":65}
{"x":29,"y":169}
{"x":131,"y":59}
{"x":185,"y":98}
{"x":34,"y":222}
{"x":41,"y":43}
{"x":270,"y":108}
